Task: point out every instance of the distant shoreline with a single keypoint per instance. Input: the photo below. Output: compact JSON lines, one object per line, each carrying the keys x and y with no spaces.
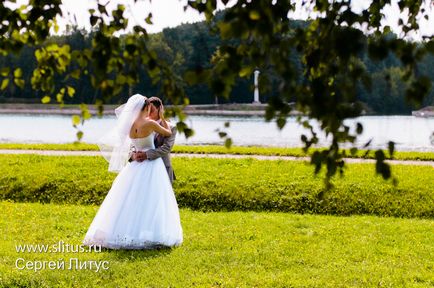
{"x":424,"y":112}
{"x":254,"y":110}
{"x":199,"y":110}
{"x":70,"y":112}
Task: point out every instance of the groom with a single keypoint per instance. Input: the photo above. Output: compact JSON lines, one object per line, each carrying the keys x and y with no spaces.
{"x":163,"y":145}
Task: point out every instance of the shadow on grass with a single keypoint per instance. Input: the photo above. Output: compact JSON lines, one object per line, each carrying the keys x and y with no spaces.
{"x":137,"y":254}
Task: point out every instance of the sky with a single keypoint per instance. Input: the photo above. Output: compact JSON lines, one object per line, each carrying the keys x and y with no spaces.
{"x":170,"y":13}
{"x":165,"y":13}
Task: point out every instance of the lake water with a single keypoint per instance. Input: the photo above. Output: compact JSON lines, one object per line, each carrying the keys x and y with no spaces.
{"x":409,"y":132}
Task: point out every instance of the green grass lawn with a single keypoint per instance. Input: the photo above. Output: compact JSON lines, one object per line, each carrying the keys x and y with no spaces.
{"x":56,"y":147}
{"x":227,"y":249}
{"x":228,"y":185}
{"x":216,"y":149}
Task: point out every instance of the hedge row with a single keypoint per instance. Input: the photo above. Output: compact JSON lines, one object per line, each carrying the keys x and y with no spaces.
{"x":229,"y":184}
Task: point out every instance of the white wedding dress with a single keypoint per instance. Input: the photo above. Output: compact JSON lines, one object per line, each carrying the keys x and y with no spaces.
{"x":140,"y":210}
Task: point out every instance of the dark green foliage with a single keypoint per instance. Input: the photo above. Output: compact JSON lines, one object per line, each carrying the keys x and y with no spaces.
{"x":226,"y":185}
{"x":191,"y":46}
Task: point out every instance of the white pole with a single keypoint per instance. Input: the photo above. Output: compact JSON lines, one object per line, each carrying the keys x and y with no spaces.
{"x":256,"y":93}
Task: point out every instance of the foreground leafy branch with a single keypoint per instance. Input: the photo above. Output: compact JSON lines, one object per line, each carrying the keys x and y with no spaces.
{"x":325,"y":87}
{"x":256,"y":35}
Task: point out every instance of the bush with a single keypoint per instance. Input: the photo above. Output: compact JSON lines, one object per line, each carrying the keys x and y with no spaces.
{"x":229,"y":184}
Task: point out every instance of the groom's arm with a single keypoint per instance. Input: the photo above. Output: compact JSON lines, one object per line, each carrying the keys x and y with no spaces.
{"x":164,"y":149}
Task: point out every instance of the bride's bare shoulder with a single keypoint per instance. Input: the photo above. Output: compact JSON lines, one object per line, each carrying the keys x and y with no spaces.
{"x":138,"y":123}
{"x":147,"y":121}
{"x":148,"y":124}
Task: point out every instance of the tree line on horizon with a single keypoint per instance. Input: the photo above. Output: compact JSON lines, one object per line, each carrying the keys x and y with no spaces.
{"x":193,"y":46}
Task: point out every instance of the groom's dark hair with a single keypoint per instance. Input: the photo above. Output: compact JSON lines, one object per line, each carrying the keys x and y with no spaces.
{"x":145,"y":104}
{"x":155,"y":101}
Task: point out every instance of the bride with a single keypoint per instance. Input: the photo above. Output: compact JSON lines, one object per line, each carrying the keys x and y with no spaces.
{"x":140,"y":210}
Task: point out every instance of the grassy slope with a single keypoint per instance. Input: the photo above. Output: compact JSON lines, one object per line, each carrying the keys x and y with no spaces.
{"x":229,"y":184}
{"x":215,"y":149}
{"x":229,"y":249}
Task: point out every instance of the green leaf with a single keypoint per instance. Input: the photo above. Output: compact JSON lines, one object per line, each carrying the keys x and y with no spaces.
{"x":180,"y":126}
{"x":19,"y":82}
{"x":359,"y":128}
{"x":71,"y":91}
{"x":18,"y":73}
{"x":281,"y":122}
{"x":384,"y":170}
{"x":4,"y":71}
{"x":93,"y":20}
{"x":59,"y":97}
{"x":99,"y":105}
{"x":102,"y":9}
{"x":254,"y":15}
{"x":75,"y":120}
{"x":46,"y":99}
{"x":391,"y":147}
{"x":5,"y":83}
{"x":188,"y":132}
{"x":228,"y":143}
{"x":56,"y":26}
{"x":246,"y":71}
{"x":79,"y":135}
{"x":379,"y":155}
{"x":353,"y":151}
{"x":316,"y":160}
{"x":121,"y":79}
{"x":85,"y":114}
{"x":148,"y":19}
{"x":75,"y":74}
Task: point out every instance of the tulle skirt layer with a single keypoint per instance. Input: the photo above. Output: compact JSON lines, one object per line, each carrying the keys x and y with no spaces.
{"x":139,"y":212}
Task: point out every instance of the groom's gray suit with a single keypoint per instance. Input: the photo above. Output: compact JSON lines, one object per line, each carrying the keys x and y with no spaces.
{"x":163,"y":146}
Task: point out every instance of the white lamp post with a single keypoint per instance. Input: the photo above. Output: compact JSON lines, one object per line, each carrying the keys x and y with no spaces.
{"x":256,"y":93}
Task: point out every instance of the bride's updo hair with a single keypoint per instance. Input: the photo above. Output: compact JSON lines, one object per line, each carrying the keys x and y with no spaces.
{"x":147,"y":102}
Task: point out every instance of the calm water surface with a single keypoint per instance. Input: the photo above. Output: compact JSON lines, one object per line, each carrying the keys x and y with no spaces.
{"x":409,"y":132}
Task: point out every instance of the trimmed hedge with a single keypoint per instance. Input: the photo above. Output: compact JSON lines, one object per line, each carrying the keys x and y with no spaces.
{"x":229,"y":184}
